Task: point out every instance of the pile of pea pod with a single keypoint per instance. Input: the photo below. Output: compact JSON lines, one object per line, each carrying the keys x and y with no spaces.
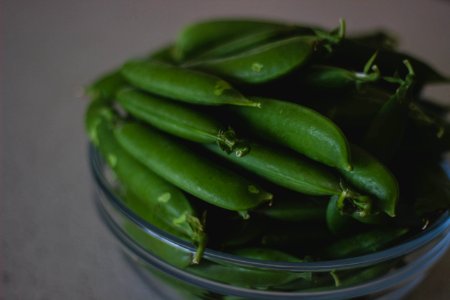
{"x":275,"y":141}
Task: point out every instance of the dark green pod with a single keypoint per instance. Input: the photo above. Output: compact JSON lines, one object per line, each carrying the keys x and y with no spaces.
{"x":372,"y":177}
{"x":263,"y":63}
{"x":295,"y":210}
{"x":299,"y":128}
{"x":197,"y":38}
{"x":287,"y":169}
{"x":160,"y":203}
{"x":180,"y":120}
{"x":189,"y":170}
{"x":181,"y":84}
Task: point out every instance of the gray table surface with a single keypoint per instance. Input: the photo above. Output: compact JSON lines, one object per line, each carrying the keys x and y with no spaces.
{"x":53,"y":245}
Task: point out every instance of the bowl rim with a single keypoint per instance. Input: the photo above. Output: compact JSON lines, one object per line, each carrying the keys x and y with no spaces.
{"x":440,"y":227}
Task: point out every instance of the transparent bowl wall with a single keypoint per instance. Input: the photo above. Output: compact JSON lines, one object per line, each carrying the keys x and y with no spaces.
{"x":387,"y":274}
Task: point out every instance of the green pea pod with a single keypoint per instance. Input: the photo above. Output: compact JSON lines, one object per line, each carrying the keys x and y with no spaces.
{"x":169,"y":253}
{"x":263,"y":63}
{"x":287,"y":169}
{"x":181,"y":84}
{"x":180,"y":120}
{"x":271,"y":60}
{"x":387,"y":128}
{"x":106,"y":86}
{"x":161,"y":203}
{"x":364,"y":243}
{"x":304,"y":237}
{"x":295,"y":210}
{"x":252,"y":277}
{"x":197,"y":38}
{"x":299,"y":128}
{"x":372,"y":177}
{"x":252,"y":40}
{"x":190,"y":170}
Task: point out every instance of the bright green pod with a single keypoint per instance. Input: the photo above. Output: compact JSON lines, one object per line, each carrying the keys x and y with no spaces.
{"x":182,"y":84}
{"x":287,"y":169}
{"x":372,"y":177}
{"x":197,"y":38}
{"x":180,"y":120}
{"x":263,"y":63}
{"x":161,"y":203}
{"x":190,"y":170}
{"x":299,"y":128}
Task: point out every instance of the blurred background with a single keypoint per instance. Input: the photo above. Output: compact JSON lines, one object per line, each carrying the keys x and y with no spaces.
{"x":53,"y":245}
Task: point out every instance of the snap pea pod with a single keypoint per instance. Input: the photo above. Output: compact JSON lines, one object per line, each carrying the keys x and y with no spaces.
{"x":252,"y":40}
{"x":332,"y":77}
{"x":190,"y":170}
{"x":199,"y":37}
{"x":388,"y":126}
{"x":170,"y":253}
{"x":364,"y":243}
{"x":299,"y":128}
{"x":180,"y":120}
{"x":106,"y":86}
{"x":252,"y":277}
{"x":287,"y":169}
{"x":374,"y":178}
{"x":181,"y":84}
{"x":303,"y":238}
{"x":272,"y":60}
{"x":263,"y":63}
{"x":161,"y":203}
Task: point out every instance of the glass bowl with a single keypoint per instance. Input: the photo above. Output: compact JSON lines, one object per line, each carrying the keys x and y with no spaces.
{"x":387,"y":274}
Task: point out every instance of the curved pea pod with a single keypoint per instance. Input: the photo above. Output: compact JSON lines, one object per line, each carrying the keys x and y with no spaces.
{"x":252,"y":277}
{"x":364,"y":243}
{"x":387,"y":128}
{"x":372,"y":177}
{"x":263,"y":63}
{"x":180,"y":120}
{"x":190,"y":170}
{"x":273,"y":59}
{"x":295,"y":210}
{"x":169,"y":253}
{"x":298,"y":128}
{"x":182,"y":84}
{"x":199,"y":37}
{"x":106,"y":86}
{"x":287,"y":169}
{"x":160,"y":203}
{"x":251,"y":40}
